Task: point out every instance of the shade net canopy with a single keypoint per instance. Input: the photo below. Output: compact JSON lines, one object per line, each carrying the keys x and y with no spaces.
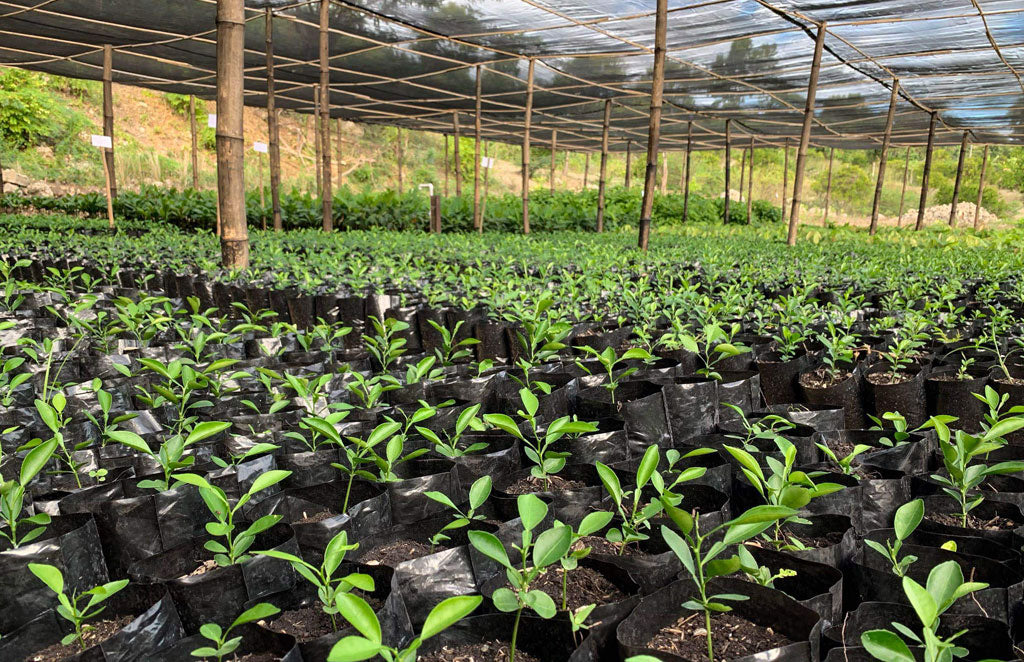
{"x":414,"y":63}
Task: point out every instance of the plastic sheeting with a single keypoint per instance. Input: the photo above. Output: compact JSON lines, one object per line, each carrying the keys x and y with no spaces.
{"x":413,"y":63}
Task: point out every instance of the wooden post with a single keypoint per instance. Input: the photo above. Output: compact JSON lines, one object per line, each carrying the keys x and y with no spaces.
{"x":876,"y":204}
{"x":234,"y":240}
{"x":554,"y":146}
{"x":926,"y":173}
{"x":1,"y":179}
{"x":487,"y":179}
{"x":750,"y":182}
{"x":805,"y":137}
{"x":477,"y":218}
{"x":654,"y":128}
{"x":664,"y":173}
{"x":785,"y":179}
{"x":527,"y":119}
{"x":743,"y":171}
{"x":728,"y":169}
{"x":446,"y":165}
{"x":602,"y":175}
{"x":110,"y":195}
{"x":195,"y":140}
{"x":903,"y":192}
{"x":273,"y":133}
{"x":565,"y":169}
{"x":455,"y":155}
{"x":435,"y":213}
{"x":586,"y":169}
{"x":959,"y":179}
{"x":981,"y":188}
{"x":316,"y":141}
{"x":108,"y":114}
{"x":686,"y":171}
{"x":337,"y":153}
{"x":629,"y":163}
{"x":325,"y":115}
{"x":398,"y":158}
{"x":259,"y":174}
{"x":828,"y":184}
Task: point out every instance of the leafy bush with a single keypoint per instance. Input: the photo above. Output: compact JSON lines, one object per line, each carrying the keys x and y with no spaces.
{"x":179,"y":104}
{"x":26,"y":111}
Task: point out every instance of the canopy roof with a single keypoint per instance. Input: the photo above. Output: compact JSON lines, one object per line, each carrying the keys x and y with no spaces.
{"x":412,"y":63}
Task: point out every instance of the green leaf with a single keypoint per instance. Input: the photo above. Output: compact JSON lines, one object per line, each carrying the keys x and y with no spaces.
{"x":489,"y":545}
{"x":360,"y":615}
{"x":505,"y":600}
{"x":943,"y":581}
{"x":648,"y":464}
{"x":479,"y":491}
{"x":908,"y":517}
{"x":721,"y":567}
{"x":205,"y":431}
{"x":353,"y":649}
{"x":532,"y":510}
{"x":922,"y":602}
{"x":680,"y":549}
{"x":746,"y":460}
{"x":35,"y":460}
{"x":268,"y":479}
{"x":886,"y":646}
{"x":552,"y":545}
{"x":594,"y":522}
{"x":759,"y":514}
{"x":448,"y":613}
{"x":49,"y":575}
{"x":131,"y":440}
{"x":504,"y":423}
{"x":610,"y":481}
{"x":540,"y":602}
{"x":1004,"y":427}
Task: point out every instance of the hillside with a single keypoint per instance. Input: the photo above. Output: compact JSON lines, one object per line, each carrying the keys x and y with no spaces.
{"x":152,"y":147}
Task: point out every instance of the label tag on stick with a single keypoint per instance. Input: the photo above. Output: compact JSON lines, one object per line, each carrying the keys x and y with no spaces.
{"x":102,"y":141}
{"x":260,"y":147}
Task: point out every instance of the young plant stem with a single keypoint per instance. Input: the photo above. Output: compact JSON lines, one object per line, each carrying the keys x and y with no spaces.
{"x":515,"y":634}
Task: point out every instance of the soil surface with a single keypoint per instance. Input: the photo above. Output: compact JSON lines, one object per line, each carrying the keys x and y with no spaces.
{"x":316,"y":517}
{"x":586,"y":586}
{"x":820,"y":379}
{"x":532,"y":485}
{"x":996,"y":523}
{"x":817,"y":542}
{"x":393,"y":553}
{"x":255,"y":657}
{"x":488,"y":651}
{"x":949,"y":377}
{"x":599,"y":545}
{"x":304,"y":624}
{"x":886,"y":378}
{"x":1012,"y":381}
{"x":204,"y":567}
{"x":732,"y":637}
{"x":99,"y":632}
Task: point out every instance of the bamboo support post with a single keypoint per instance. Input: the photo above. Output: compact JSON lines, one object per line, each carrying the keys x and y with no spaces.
{"x":959,"y":180}
{"x":318,"y":165}
{"x":805,"y":137}
{"x":664,"y":173}
{"x":337,"y":153}
{"x":446,"y":165}
{"x":750,"y":182}
{"x":743,"y":171}
{"x":455,"y":154}
{"x":477,"y":219}
{"x":654,"y":127}
{"x":435,"y":214}
{"x":981,"y":188}
{"x":327,"y":198}
{"x":926,"y":173}
{"x":106,"y":186}
{"x":686,"y":171}
{"x":487,"y":179}
{"x":903,"y":191}
{"x":527,"y":119}
{"x":108,"y":114}
{"x":886,"y":139}
{"x":554,"y":146}
{"x":586,"y":170}
{"x":828,"y":183}
{"x":234,"y":240}
{"x":273,"y":131}
{"x":602,"y":174}
{"x":398,"y":160}
{"x":728,"y":170}
{"x":195,"y":140}
{"x":785,"y":178}
{"x":629,"y":164}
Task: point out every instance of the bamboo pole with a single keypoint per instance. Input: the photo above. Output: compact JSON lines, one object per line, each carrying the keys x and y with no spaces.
{"x":603,"y":169}
{"x":477,"y":220}
{"x":959,"y":179}
{"x":234,"y":241}
{"x":686,"y":172}
{"x":316,"y":141}
{"x":654,"y":128}
{"x":743,"y":171}
{"x":981,"y":188}
{"x":828,"y":185}
{"x":398,"y":159}
{"x":325,"y":115}
{"x":785,"y":179}
{"x":455,"y":154}
{"x":886,"y":139}
{"x":487,"y":178}
{"x":664,"y":173}
{"x":903,"y":191}
{"x":565,"y":168}
{"x":728,"y":169}
{"x":926,"y":173}
{"x":554,"y":146}
{"x":586,"y":170}
{"x":338,"y":151}
{"x":527,"y":119}
{"x":629,"y":164}
{"x":446,"y":165}
{"x":106,"y":183}
{"x":1,"y":178}
{"x":259,"y":176}
{"x":750,"y":182}
{"x":805,"y":137}
{"x":273,"y":132}
{"x":108,"y":114}
{"x":195,"y":140}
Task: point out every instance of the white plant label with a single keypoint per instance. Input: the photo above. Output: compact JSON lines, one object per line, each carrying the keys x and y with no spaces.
{"x":487,"y":161}
{"x":102,"y":141}
{"x":260,"y":147}
{"x":211,"y":121}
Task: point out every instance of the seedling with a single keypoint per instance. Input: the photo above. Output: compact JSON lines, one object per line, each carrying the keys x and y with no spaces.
{"x":328,"y":587}
{"x":223,"y":643}
{"x":12,"y":498}
{"x":540,"y":339}
{"x":75,"y":607}
{"x":537,"y":446}
{"x":578,"y":620}
{"x":590,"y":525}
{"x":711,"y":345}
{"x":944,"y":587}
{"x":233,"y":549}
{"x":766,"y":427}
{"x":478,"y":493}
{"x":838,"y":356}
{"x":105,"y":401}
{"x":171,"y":456}
{"x":703,"y":565}
{"x":757,"y":572}
{"x":449,"y":446}
{"x":384,"y":345}
{"x":357,"y":452}
{"x":908,"y":517}
{"x":609,"y":360}
{"x":10,"y":379}
{"x":358,"y":612}
{"x":844,"y":464}
{"x":450,"y":352}
{"x":537,"y":554}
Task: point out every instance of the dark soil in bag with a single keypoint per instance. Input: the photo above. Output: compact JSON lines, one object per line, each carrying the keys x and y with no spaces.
{"x":995,"y":521}
{"x":72,"y":544}
{"x":770,"y":625}
{"x":828,"y":539}
{"x":485,"y":638}
{"x":904,"y":393}
{"x":576,"y":489}
{"x":778,"y":377}
{"x":315,"y":510}
{"x":844,"y":394}
{"x":945,"y":394}
{"x":501,"y":456}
